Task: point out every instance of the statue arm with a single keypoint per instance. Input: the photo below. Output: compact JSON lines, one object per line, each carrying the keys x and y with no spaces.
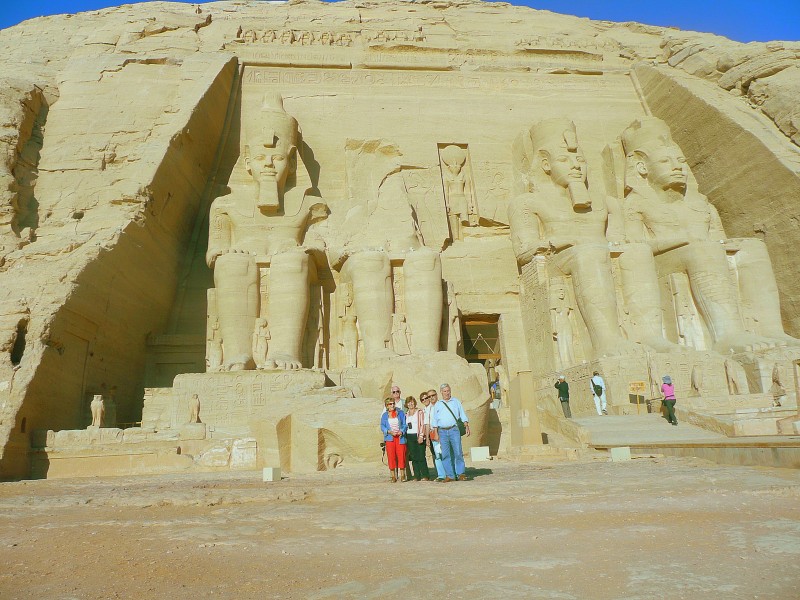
{"x":219,"y":235}
{"x":615,"y":229}
{"x":716,"y":231}
{"x":525,"y":230}
{"x":636,"y":230}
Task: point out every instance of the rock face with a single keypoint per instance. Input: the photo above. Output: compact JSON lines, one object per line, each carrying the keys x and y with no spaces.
{"x":359,"y":187}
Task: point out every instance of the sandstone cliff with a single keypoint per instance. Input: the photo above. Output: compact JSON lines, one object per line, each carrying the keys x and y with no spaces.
{"x":113,"y":124}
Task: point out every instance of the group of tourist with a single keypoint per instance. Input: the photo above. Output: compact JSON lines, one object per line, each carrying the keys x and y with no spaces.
{"x":598,"y":389}
{"x":409,"y":431}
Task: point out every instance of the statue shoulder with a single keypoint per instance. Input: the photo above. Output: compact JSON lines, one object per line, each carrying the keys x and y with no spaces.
{"x":528,"y":200}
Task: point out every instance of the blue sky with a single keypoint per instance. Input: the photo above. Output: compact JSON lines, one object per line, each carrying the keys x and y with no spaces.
{"x":742,"y":20}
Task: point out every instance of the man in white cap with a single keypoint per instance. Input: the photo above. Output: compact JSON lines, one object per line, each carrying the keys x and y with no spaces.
{"x":598,"y":389}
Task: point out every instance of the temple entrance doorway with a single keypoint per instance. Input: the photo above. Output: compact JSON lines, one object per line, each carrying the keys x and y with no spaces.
{"x":481,"y":335}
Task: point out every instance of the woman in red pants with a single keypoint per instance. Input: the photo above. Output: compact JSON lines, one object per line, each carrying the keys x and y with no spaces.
{"x":393,"y":426}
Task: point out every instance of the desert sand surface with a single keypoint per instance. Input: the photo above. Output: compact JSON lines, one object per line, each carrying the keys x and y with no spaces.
{"x":653,"y":527}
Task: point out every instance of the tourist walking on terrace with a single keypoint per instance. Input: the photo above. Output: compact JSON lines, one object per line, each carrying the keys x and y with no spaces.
{"x":444,"y":423}
{"x":429,"y":399}
{"x":563,"y":395}
{"x":598,"y":389}
{"x":668,"y":389}
{"x":415,"y":441}
{"x":393,"y":427}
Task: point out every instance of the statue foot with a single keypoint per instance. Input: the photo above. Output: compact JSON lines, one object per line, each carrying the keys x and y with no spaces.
{"x":621,"y":347}
{"x":660,"y":344}
{"x":237,"y":366}
{"x":746,"y":342}
{"x":784,"y":339}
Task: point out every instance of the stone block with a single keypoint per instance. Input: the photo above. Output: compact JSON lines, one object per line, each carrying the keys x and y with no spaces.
{"x":215,"y":456}
{"x":244,"y":454}
{"x":75,"y":438}
{"x":271,"y":474}
{"x":620,"y":454}
{"x":133,"y":435}
{"x":479,"y":453}
{"x":193,"y":431}
{"x":111,"y":435}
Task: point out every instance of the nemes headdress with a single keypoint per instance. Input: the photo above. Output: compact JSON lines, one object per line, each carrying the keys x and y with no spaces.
{"x":646,"y":132}
{"x":550,"y":131}
{"x":272,"y":122}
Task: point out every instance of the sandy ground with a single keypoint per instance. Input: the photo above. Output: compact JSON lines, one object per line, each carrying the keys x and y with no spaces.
{"x":648,"y":528}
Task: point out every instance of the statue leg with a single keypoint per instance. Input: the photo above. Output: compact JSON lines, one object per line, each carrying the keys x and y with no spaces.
{"x":590,"y":267}
{"x":759,"y":290}
{"x":236,"y":283}
{"x":373,"y":299}
{"x":642,"y":296}
{"x":706,"y":264}
{"x":424,"y":299}
{"x":289,"y":298}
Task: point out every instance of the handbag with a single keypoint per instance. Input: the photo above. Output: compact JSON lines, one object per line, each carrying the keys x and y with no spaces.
{"x":462,"y":429}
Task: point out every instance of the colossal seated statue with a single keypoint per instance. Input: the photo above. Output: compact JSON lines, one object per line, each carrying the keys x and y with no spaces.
{"x":380,"y":229}
{"x":557,"y":218}
{"x":263,"y":224}
{"x":672,"y":228}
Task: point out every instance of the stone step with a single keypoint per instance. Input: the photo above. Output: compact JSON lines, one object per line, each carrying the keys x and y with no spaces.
{"x":639,"y":429}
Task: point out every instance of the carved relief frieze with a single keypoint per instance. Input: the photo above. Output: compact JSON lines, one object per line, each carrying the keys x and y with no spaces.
{"x":323,"y":37}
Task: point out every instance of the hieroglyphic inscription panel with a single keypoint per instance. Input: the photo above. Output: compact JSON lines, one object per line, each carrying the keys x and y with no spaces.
{"x":233,"y":398}
{"x":257,"y":75}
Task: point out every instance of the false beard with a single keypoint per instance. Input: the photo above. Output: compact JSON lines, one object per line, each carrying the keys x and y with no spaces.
{"x":579,"y":194}
{"x":268,"y":196}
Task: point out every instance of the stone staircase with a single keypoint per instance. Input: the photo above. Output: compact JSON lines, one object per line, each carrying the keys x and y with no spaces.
{"x":631,"y":430}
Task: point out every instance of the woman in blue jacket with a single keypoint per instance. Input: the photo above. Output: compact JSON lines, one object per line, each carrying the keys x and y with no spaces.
{"x":393,"y":427}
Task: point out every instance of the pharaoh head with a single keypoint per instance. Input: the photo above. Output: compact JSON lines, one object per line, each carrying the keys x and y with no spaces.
{"x":555,"y":144}
{"x":652,"y":156}
{"x":270,"y":152}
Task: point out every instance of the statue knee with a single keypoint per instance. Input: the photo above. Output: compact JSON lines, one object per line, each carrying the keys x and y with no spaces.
{"x":290,"y":262}
{"x":372,"y":261}
{"x":423,"y":259}
{"x":236,"y":264}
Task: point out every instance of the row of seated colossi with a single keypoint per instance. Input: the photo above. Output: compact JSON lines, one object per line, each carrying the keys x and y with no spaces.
{"x":647,"y":274}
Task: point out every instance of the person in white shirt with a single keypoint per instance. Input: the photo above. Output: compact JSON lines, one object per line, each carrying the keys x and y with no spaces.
{"x":598,"y":389}
{"x":444,"y":425}
{"x":415,"y":441}
{"x":429,"y":399}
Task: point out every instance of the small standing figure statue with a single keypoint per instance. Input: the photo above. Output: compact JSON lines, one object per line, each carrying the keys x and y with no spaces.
{"x":731,"y":376}
{"x":461,"y":209}
{"x":696,"y":388}
{"x":194,"y":409}
{"x":98,"y":411}
{"x":562,"y":328}
{"x":349,"y":328}
{"x":401,"y":336}
{"x":214,"y":360}
{"x":261,"y":343}
{"x":455,"y":339}
{"x":777,"y":390}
